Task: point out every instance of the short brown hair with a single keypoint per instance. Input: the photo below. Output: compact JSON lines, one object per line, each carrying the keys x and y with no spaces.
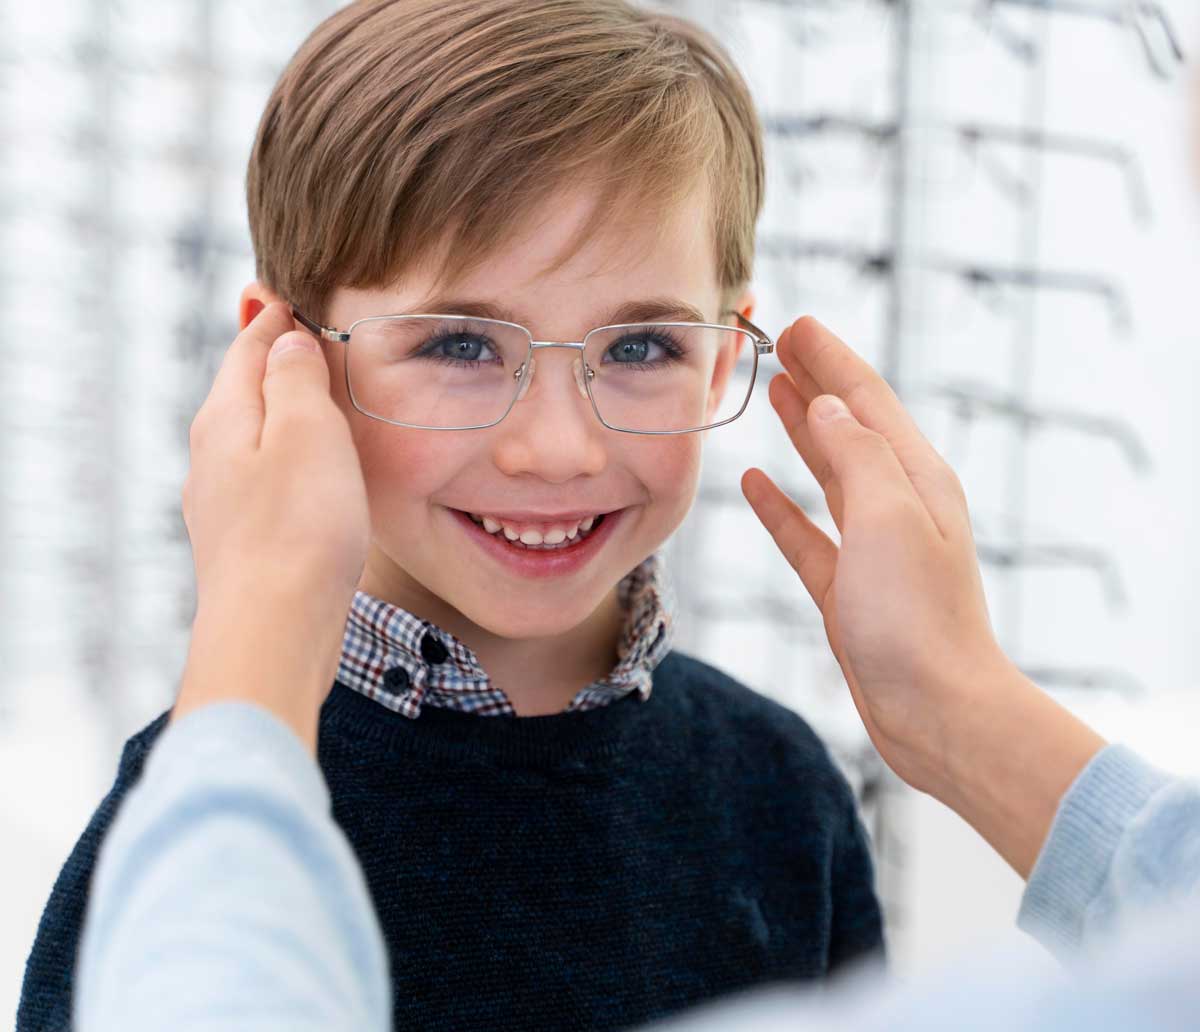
{"x":403,"y":125}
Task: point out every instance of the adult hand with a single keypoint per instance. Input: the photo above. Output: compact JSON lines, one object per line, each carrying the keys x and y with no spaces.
{"x":276,"y":510}
{"x":903,"y":603}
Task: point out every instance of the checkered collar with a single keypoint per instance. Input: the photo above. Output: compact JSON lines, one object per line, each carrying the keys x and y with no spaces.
{"x":404,"y":663}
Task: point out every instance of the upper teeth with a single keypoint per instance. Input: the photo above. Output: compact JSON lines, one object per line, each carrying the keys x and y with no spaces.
{"x":552,"y":535}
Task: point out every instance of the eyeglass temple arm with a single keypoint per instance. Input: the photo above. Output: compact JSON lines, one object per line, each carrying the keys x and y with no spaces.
{"x":323,"y":332}
{"x":763,"y":344}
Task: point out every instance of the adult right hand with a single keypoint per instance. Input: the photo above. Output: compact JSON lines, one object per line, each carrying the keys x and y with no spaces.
{"x":276,"y":511}
{"x":903,"y":604}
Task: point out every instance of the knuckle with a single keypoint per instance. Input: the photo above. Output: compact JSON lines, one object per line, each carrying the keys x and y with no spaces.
{"x":198,"y":430}
{"x":910,"y":514}
{"x":954,"y":484}
{"x":867,"y":438}
{"x":859,"y":391}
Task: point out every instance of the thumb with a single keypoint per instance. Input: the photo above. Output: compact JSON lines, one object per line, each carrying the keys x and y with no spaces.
{"x":293,"y":340}
{"x":863,"y":462}
{"x":296,"y":380}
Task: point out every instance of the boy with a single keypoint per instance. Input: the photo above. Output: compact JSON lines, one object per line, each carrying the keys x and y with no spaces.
{"x":562,"y":822}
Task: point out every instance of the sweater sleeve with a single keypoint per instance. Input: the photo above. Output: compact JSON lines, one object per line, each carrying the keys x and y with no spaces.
{"x":857,"y":930}
{"x":1125,"y":841}
{"x":225,"y":895}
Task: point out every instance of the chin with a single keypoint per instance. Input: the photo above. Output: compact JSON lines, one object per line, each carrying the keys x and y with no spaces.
{"x":516,"y":621}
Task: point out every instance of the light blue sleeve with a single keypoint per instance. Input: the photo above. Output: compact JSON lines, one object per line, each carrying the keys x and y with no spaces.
{"x":1124,"y":844}
{"x":226,"y":897}
{"x":1147,"y":981}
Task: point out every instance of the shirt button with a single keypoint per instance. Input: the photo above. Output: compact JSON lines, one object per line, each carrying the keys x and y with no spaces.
{"x":396,"y":679}
{"x":432,"y":648}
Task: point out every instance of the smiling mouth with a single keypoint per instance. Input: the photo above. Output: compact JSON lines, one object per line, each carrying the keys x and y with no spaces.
{"x":553,"y":539}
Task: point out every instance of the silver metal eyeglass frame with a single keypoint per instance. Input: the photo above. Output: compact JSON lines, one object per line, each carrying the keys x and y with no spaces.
{"x":763,"y":345}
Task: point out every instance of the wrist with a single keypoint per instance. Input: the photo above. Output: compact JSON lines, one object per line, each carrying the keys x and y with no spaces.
{"x":927,"y":732}
{"x":977,"y":726}
{"x":277,"y":649}
{"x":1011,"y":754}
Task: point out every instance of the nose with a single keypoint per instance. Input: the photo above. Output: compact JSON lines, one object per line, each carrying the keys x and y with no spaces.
{"x":577,"y":368}
{"x":551,"y":431}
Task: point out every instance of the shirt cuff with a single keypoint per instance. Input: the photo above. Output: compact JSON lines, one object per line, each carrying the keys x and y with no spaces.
{"x":1076,"y":859}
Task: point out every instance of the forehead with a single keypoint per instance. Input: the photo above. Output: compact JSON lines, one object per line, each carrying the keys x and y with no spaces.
{"x":636,"y":252}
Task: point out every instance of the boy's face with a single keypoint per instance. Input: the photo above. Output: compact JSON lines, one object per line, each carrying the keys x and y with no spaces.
{"x":550,"y":454}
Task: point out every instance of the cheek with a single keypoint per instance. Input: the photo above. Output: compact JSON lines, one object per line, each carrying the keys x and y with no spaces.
{"x":669,"y":468}
{"x":399,"y":466}
{"x":402,"y":467}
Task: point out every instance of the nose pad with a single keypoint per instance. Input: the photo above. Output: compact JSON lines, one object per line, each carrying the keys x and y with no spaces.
{"x":526,"y":376}
{"x":526,"y":372}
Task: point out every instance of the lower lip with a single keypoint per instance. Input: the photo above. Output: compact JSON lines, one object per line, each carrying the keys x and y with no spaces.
{"x":541,"y":564}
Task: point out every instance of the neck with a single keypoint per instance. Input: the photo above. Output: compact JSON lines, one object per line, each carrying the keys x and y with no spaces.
{"x":538,"y":675}
{"x":543,"y":675}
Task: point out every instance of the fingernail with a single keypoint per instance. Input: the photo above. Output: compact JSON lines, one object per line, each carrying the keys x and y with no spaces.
{"x":292,"y":340}
{"x":829,"y":407}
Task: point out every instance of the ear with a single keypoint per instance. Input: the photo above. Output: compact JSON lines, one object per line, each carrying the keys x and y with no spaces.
{"x":727,"y":359}
{"x":744,"y":304}
{"x":255,"y":297}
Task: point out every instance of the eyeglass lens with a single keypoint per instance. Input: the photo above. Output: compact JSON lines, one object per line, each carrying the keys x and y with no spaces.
{"x":449,"y":373}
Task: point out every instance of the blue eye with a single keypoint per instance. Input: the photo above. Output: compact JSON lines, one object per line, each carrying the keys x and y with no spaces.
{"x":455,"y":348}
{"x":635,"y":349}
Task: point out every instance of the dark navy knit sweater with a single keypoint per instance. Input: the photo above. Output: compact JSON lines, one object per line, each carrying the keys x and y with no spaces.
{"x":589,"y":870}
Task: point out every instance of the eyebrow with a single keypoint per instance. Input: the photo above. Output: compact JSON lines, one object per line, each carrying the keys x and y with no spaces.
{"x":654,"y":309}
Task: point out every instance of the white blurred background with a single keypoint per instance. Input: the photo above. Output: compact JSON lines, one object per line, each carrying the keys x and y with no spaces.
{"x":992,"y":200}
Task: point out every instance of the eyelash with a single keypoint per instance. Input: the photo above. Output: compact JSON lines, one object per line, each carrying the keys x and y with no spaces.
{"x":429,"y":351}
{"x":668,"y":342}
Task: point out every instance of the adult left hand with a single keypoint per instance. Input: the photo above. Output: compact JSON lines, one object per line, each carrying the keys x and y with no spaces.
{"x":903,"y":604}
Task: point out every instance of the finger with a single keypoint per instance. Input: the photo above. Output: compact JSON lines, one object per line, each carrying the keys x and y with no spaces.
{"x":807,"y":347}
{"x":235,"y":402}
{"x":804,"y":545}
{"x":806,"y":388}
{"x":295,"y":390}
{"x":792,"y":408}
{"x":802,"y":380}
{"x":864,"y":463}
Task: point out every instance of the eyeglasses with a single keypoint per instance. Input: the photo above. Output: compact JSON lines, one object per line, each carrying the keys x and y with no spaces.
{"x":453,"y":372}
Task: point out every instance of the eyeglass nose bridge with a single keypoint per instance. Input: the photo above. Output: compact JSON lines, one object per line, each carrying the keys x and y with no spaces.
{"x":523,"y":374}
